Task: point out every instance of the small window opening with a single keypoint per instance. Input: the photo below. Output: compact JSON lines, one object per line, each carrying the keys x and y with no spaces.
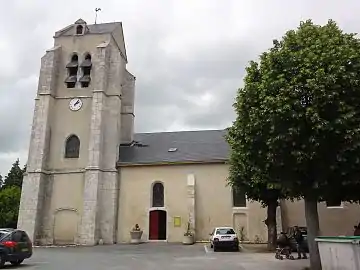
{"x":333,"y":203}
{"x":73,"y":66}
{"x":158,"y":195}
{"x":72,"y":147}
{"x":70,"y":85}
{"x":74,"y":58}
{"x":86,"y":70}
{"x":84,"y":84}
{"x":72,"y":69}
{"x":239,"y":198}
{"x":79,"y":30}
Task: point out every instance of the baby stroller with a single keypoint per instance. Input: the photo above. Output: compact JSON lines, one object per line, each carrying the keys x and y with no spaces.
{"x":283,"y":248}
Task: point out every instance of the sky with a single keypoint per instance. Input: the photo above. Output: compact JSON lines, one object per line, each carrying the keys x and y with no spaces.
{"x":189,"y":57}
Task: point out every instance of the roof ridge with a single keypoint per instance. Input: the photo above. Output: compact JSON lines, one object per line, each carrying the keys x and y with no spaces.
{"x":103,"y":23}
{"x":181,"y":131}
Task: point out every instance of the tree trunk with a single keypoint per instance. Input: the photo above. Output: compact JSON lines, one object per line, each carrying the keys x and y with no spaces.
{"x":312,"y":223}
{"x":271,"y":224}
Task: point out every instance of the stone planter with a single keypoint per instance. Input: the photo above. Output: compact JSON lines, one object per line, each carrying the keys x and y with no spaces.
{"x":188,"y":239}
{"x":136,"y":237}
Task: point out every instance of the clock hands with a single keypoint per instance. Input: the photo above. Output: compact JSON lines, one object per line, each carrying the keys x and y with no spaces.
{"x":75,"y":104}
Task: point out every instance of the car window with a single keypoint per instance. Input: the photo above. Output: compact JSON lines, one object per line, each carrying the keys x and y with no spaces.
{"x":4,"y":236}
{"x":24,"y":237}
{"x":225,"y":231}
{"x":16,"y":236}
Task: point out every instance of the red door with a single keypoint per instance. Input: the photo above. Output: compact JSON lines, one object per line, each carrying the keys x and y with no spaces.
{"x":154,"y":225}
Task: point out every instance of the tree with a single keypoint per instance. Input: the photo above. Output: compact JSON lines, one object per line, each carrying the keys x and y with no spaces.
{"x":1,"y":181}
{"x":243,"y":176}
{"x":9,"y":206}
{"x":15,"y":175}
{"x":298,"y":120}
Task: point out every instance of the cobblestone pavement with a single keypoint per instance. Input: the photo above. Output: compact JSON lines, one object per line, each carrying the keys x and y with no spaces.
{"x":153,"y":256}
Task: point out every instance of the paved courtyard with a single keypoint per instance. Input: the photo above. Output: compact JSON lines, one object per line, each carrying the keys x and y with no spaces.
{"x":152,"y":256}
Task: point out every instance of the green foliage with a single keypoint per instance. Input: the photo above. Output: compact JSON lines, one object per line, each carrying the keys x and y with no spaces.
{"x":9,"y":206}
{"x":10,"y":193}
{"x":297,"y":129}
{"x":15,"y":175}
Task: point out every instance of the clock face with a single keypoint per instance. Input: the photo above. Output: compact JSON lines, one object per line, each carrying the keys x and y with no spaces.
{"x":75,"y":104}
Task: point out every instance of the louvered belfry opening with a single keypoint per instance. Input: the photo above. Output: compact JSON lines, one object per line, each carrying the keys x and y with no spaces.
{"x":86,"y":66}
{"x":72,"y":70}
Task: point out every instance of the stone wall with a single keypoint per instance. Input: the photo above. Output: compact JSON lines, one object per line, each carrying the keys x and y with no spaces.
{"x":32,"y":196}
{"x":98,"y":183}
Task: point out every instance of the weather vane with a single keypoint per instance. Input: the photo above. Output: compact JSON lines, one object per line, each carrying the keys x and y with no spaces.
{"x":96,"y":12}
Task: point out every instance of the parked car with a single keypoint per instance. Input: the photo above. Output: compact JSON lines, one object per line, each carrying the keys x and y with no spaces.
{"x":224,"y":237}
{"x":15,"y":246}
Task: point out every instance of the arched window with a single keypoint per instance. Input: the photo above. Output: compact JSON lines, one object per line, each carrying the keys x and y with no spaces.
{"x":72,"y":147}
{"x":74,"y":58}
{"x":88,"y":57}
{"x":158,"y":195}
{"x":79,"y":30}
{"x":72,"y":68}
{"x":86,"y":70}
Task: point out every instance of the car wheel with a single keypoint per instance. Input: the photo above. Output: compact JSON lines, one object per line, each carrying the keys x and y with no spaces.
{"x":211,"y":246}
{"x":2,"y":261}
{"x":215,"y":249}
{"x":236,"y":248}
{"x":16,"y":263}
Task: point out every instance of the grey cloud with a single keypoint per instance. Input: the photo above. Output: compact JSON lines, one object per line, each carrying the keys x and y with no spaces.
{"x":170,"y":91}
{"x":178,"y":50}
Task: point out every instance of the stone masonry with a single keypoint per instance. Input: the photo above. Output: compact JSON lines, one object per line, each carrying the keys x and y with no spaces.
{"x":98,"y":213}
{"x":191,"y":199}
{"x":30,"y":209}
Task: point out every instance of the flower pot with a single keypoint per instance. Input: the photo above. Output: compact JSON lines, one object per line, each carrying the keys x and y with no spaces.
{"x":188,"y":239}
{"x":136,"y":237}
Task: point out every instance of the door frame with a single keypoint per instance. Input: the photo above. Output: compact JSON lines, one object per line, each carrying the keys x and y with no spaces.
{"x":148,"y":223}
{"x":67,"y":209}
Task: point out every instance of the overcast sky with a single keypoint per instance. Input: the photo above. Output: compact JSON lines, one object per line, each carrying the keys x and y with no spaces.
{"x":188,"y":56}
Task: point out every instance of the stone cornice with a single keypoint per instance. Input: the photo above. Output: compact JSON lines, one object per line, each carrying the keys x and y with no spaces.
{"x":70,"y":171}
{"x":78,"y":96}
{"x":120,"y":164}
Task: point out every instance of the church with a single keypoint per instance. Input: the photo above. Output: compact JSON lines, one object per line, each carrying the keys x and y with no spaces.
{"x":90,"y":178}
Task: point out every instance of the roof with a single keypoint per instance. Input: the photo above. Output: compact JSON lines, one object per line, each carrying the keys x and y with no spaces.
{"x":101,"y":28}
{"x":171,"y":147}
{"x":80,"y":21}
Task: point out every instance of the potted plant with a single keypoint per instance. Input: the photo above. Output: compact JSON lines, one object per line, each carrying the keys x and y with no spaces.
{"x":188,"y":236}
{"x":136,"y":234}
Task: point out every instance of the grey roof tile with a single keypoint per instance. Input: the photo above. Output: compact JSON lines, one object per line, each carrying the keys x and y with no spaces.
{"x":192,"y":146}
{"x":101,"y":28}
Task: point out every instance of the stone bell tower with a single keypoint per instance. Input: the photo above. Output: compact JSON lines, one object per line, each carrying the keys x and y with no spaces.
{"x":84,"y":109}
